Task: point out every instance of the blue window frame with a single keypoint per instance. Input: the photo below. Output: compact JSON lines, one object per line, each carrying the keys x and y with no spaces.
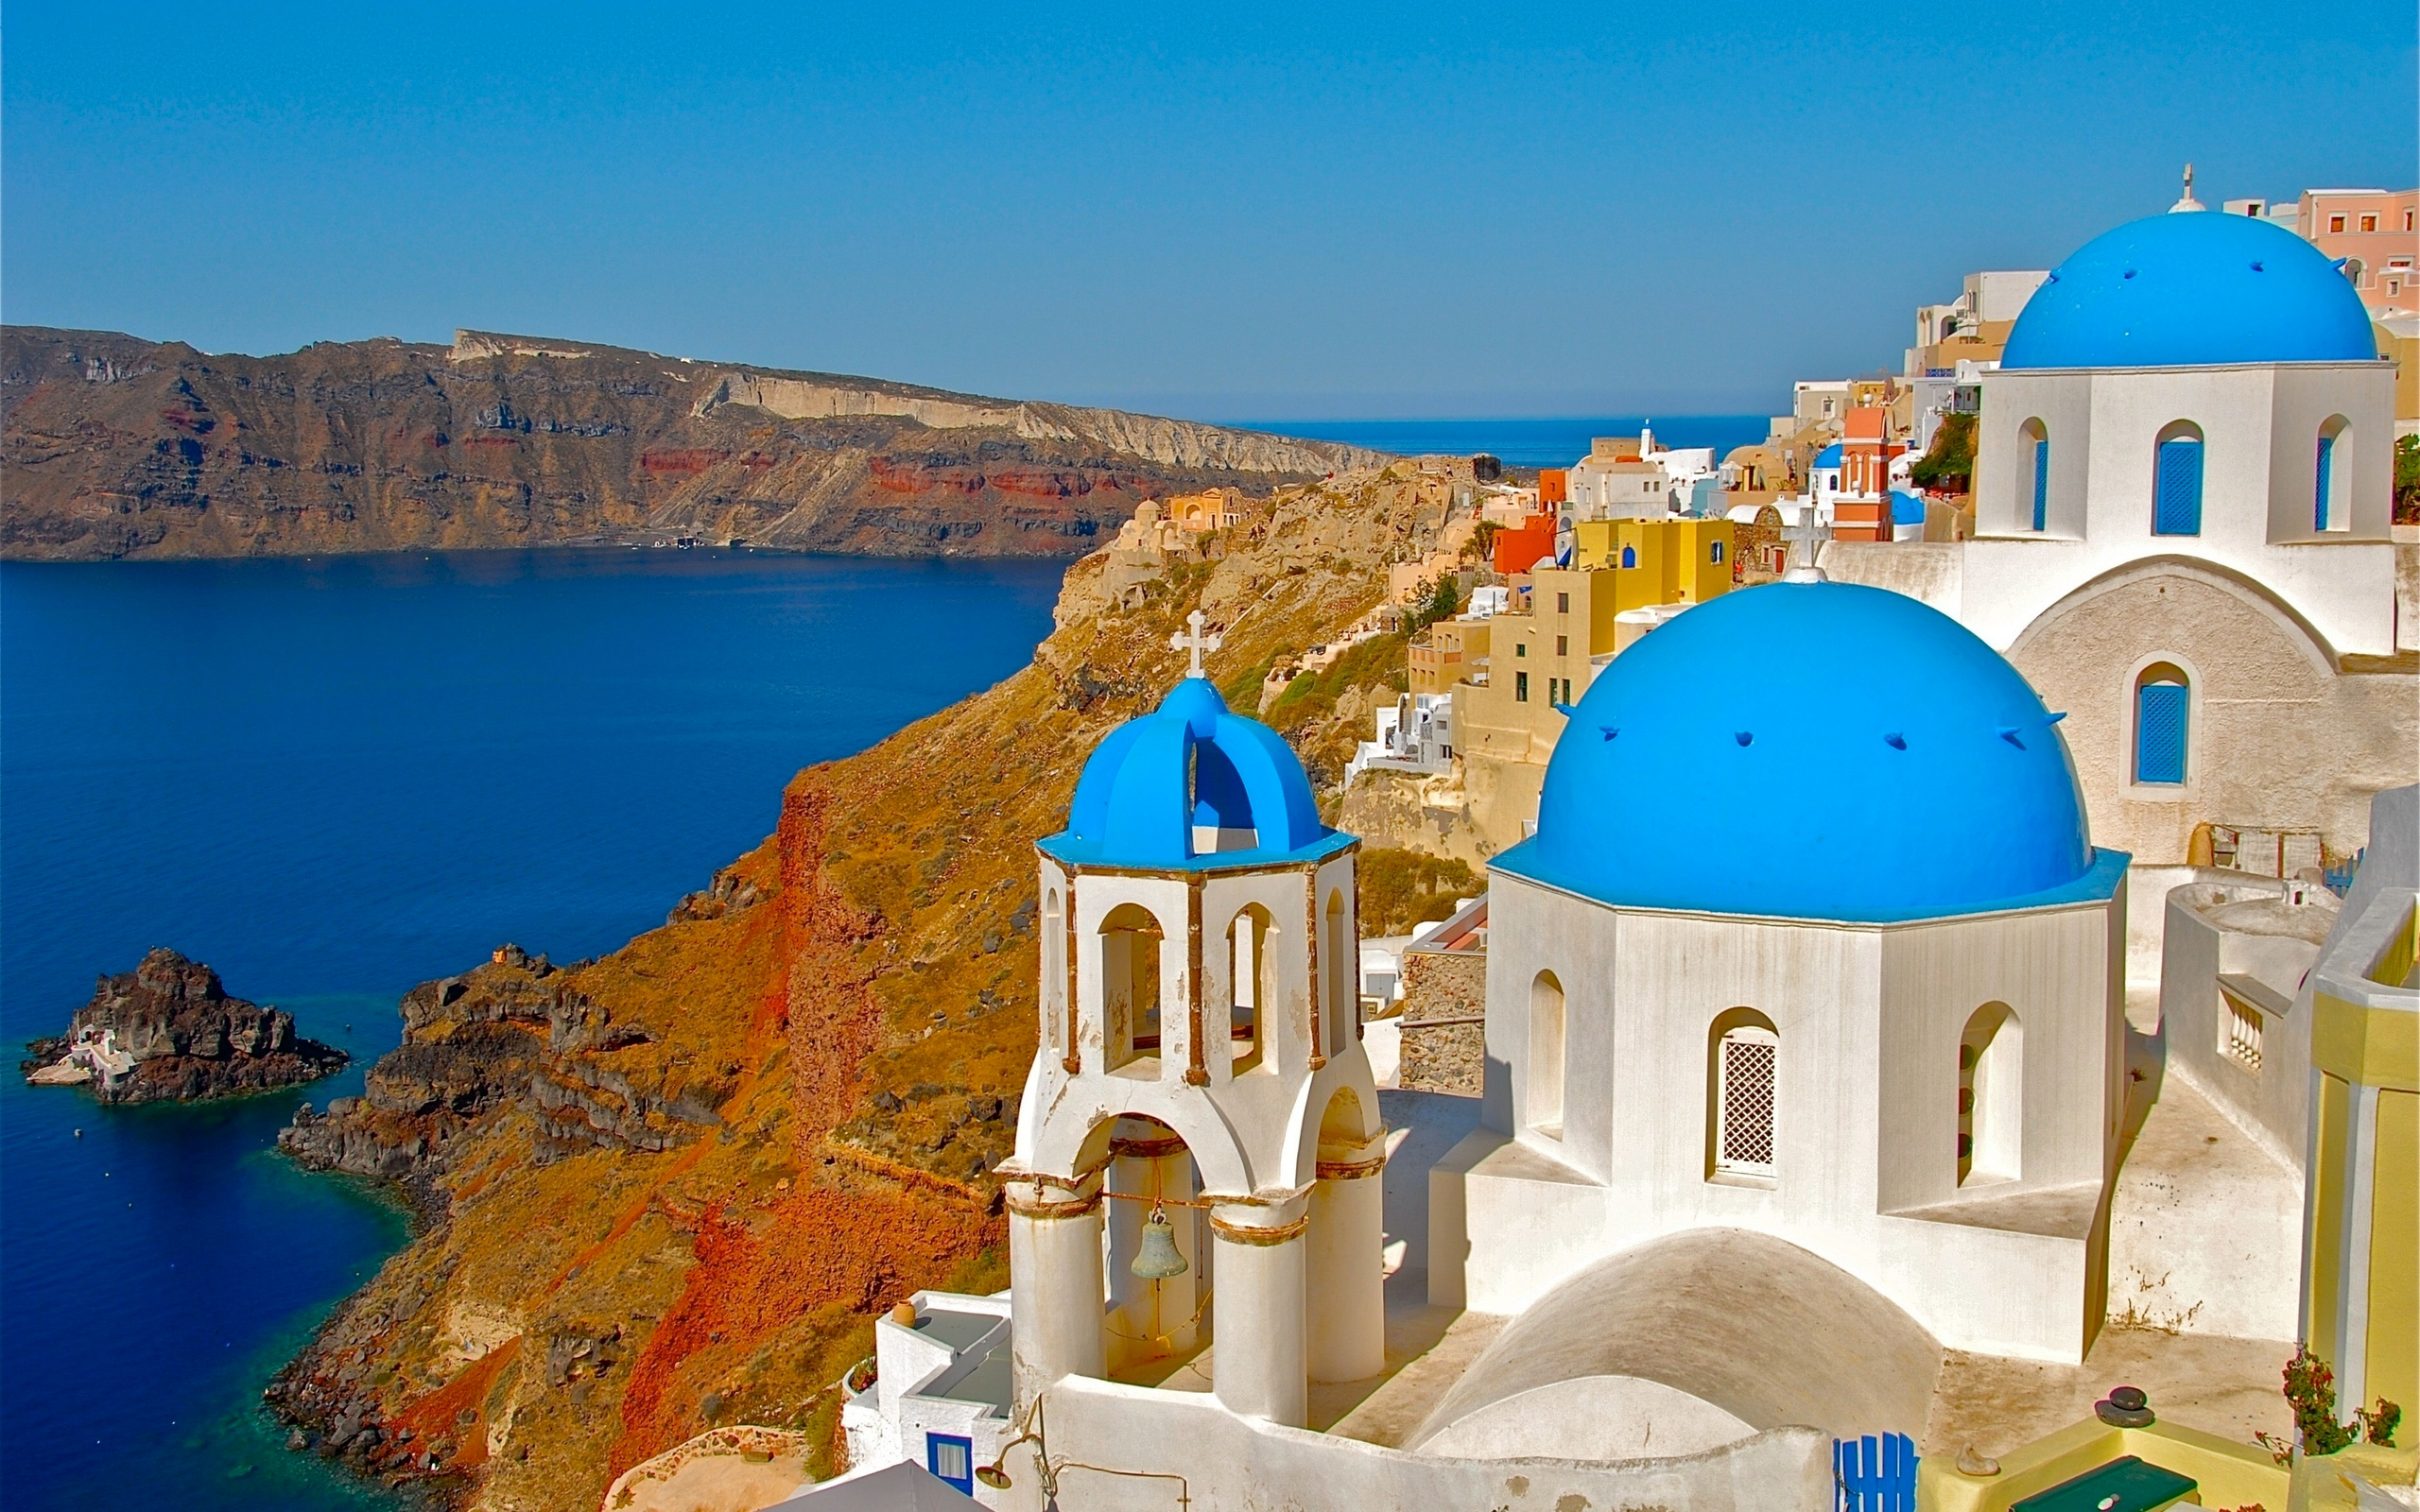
{"x":2319,"y":497}
{"x":2161,"y":709}
{"x":2041,"y":483}
{"x":2177,"y":506}
{"x":952,"y":1460}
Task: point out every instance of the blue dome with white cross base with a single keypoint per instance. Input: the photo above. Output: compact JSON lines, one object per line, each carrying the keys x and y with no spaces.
{"x":1192,"y":786}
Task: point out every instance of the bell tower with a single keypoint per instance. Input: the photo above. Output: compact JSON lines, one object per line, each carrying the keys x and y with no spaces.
{"x":1199,"y":1093}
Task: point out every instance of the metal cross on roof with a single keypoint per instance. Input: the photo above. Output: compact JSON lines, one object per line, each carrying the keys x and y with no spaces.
{"x":1806,"y":539}
{"x":1195,"y":641}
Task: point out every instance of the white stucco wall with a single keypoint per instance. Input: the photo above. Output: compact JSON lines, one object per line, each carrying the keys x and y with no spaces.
{"x":1592,"y":1417}
{"x":2260,"y":428}
{"x":1232,"y":1463}
{"x":2209,"y":935}
{"x":1251,"y":1132}
{"x":1869,"y":1019}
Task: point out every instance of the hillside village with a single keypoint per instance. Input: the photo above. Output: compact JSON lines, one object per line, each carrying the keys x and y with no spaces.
{"x":1870,"y":970}
{"x":2036,"y":1060}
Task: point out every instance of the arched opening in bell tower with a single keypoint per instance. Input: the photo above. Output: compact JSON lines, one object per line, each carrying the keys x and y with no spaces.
{"x":1130,"y":980}
{"x":1248,"y":975}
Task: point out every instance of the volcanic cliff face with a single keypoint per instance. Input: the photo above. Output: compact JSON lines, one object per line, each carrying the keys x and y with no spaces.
{"x":111,"y":446}
{"x":670,"y":1189}
{"x":167,"y":1032}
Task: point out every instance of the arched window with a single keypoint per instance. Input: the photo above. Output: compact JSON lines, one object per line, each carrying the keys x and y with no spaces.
{"x":1743,"y":1071}
{"x":2034,"y":456}
{"x":1715,"y":552}
{"x":1130,"y":981}
{"x":1247,"y":973}
{"x":1546,"y":1031}
{"x":1991,"y":1096}
{"x":1344,"y":978}
{"x":1629,"y":557}
{"x":2331,"y":502}
{"x":2163,"y":714}
{"x":2176,"y":481}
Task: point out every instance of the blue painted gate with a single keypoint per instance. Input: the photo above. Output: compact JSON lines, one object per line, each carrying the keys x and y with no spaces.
{"x":1875,"y":1474}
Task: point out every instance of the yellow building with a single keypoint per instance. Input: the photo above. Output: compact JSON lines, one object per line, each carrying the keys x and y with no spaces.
{"x":1545,"y":652}
{"x":2361,"y":1243}
{"x":1447,"y":652}
{"x":1564,"y":627}
{"x":1657,"y":562}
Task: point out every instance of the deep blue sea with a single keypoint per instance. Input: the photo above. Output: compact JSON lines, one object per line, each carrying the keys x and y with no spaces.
{"x":330,"y":780}
{"x":1520,"y":443}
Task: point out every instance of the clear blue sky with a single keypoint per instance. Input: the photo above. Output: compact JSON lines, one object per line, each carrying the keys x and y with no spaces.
{"x":1297,"y":211}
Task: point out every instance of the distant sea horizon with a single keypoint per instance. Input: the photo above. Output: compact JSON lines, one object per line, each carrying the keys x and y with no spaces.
{"x":1518,"y":441}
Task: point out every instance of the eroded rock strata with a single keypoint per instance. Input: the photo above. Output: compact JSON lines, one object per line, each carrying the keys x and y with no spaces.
{"x":111,"y":446}
{"x":167,"y":1032}
{"x":668,"y":1191}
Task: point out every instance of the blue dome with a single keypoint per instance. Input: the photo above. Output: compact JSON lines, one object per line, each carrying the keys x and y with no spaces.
{"x":2191,"y":288}
{"x":1813,"y":750}
{"x":1907,"y":509}
{"x":1192,"y":785}
{"x":1828,"y":456}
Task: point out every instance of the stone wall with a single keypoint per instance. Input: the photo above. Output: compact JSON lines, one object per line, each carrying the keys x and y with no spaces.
{"x":1444,"y":1021}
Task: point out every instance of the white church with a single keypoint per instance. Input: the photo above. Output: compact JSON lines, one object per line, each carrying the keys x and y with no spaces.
{"x":1775,"y":1114}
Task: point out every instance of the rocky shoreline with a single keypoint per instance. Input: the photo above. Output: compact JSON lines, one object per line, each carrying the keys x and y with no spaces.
{"x":167,"y":1032}
{"x":514,"y":1040}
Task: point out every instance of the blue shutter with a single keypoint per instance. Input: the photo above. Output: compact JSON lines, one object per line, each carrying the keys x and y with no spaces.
{"x":2159,"y":731}
{"x":1629,"y":557}
{"x":952,"y":1460}
{"x":2178,"y":511}
{"x":2319,"y":497}
{"x":2041,"y":482}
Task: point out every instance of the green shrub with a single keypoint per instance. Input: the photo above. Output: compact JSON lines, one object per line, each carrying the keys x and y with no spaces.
{"x":1401,"y":889}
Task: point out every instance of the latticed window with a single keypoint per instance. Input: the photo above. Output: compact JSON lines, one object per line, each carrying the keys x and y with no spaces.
{"x":1744,"y":1125}
{"x":2242,"y":1035}
{"x":2176,"y":508}
{"x":2162,"y":708}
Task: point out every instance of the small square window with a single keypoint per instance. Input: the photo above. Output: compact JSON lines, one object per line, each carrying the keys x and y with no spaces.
{"x":951,"y":1459}
{"x":1521,"y":650}
{"x":2369,"y":222}
{"x":2335,"y":224}
{"x":1562,"y":603}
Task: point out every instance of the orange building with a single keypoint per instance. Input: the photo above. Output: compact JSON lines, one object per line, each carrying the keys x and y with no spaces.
{"x":1861,"y":511}
{"x":1554,"y":485}
{"x":1867,"y":451}
{"x":1518,"y":549}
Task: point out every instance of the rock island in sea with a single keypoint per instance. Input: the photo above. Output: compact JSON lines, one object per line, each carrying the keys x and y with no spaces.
{"x":167,"y":1032}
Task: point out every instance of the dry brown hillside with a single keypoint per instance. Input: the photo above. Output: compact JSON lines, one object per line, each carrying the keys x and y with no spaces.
{"x":670,"y":1189}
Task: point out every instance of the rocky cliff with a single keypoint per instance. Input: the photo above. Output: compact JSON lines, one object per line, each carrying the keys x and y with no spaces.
{"x":112,"y":446}
{"x":167,"y":1032}
{"x":670,"y":1189}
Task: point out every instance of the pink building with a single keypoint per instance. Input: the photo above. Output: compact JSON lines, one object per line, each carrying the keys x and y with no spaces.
{"x":2375,"y":230}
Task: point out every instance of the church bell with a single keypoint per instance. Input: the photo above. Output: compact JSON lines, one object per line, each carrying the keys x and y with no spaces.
{"x":1157,"y":1259}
